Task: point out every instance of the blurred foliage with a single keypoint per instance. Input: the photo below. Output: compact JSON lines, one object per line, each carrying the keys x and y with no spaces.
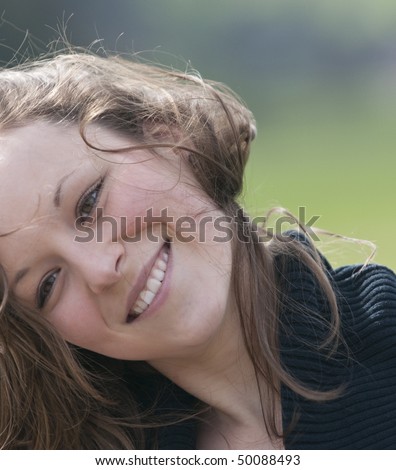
{"x":319,"y":76}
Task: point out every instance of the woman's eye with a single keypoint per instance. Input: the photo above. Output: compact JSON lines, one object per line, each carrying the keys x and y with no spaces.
{"x":88,"y":202}
{"x":45,"y":288}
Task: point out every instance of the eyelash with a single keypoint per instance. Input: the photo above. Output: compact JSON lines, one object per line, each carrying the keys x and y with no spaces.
{"x":96,"y":188}
{"x":41,"y":296}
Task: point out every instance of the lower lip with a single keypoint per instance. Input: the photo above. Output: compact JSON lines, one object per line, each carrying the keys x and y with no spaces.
{"x":161,"y":295}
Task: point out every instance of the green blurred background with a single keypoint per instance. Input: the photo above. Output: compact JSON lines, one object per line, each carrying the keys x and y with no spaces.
{"x":320,"y":77}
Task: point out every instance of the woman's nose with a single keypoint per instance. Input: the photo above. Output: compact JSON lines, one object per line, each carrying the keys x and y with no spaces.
{"x":98,"y":264}
{"x":102,"y":271}
{"x":99,"y":260}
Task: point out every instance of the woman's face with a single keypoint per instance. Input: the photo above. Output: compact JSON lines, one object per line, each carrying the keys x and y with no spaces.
{"x":115,"y":249}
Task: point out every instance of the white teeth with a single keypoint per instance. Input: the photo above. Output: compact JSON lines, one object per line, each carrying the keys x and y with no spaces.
{"x":158,"y":274}
{"x":153,"y":283}
{"x":161,"y":264}
{"x":147,"y":296}
{"x":140,"y":304}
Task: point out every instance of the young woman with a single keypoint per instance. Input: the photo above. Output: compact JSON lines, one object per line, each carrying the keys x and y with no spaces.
{"x":121,"y":242}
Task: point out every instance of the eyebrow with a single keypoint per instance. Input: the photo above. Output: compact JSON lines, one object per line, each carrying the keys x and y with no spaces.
{"x":19,"y":275}
{"x":57,"y":202}
{"x":58,"y":191}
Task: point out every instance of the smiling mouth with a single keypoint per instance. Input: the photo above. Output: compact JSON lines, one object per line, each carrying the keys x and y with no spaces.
{"x":153,"y":284}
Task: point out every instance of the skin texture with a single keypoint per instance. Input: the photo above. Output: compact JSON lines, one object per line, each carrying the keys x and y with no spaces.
{"x":191,"y":331}
{"x":91,"y":281}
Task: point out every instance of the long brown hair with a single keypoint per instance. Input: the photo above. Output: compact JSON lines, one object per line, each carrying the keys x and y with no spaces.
{"x":47,"y":397}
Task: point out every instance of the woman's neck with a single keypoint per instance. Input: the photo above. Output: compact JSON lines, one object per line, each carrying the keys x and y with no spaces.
{"x":221,"y":374}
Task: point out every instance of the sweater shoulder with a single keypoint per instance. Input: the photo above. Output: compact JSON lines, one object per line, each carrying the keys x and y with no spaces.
{"x":364,"y":415}
{"x":367,"y":301}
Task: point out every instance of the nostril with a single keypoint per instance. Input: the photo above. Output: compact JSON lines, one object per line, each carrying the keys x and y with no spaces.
{"x":118,"y":264}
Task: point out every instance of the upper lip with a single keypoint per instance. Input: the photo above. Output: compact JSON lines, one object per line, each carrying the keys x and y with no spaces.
{"x":141,"y":281}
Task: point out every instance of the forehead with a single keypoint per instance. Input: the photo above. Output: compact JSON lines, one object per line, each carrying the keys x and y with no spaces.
{"x":32,"y":160}
{"x":26,"y":149}
{"x":38,"y":140}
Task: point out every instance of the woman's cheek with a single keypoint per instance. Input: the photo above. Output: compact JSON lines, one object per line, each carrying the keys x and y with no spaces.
{"x":140,"y":216}
{"x":79,"y":323}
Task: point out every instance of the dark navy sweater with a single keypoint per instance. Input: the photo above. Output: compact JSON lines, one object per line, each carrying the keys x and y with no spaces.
{"x":363,"y":416}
